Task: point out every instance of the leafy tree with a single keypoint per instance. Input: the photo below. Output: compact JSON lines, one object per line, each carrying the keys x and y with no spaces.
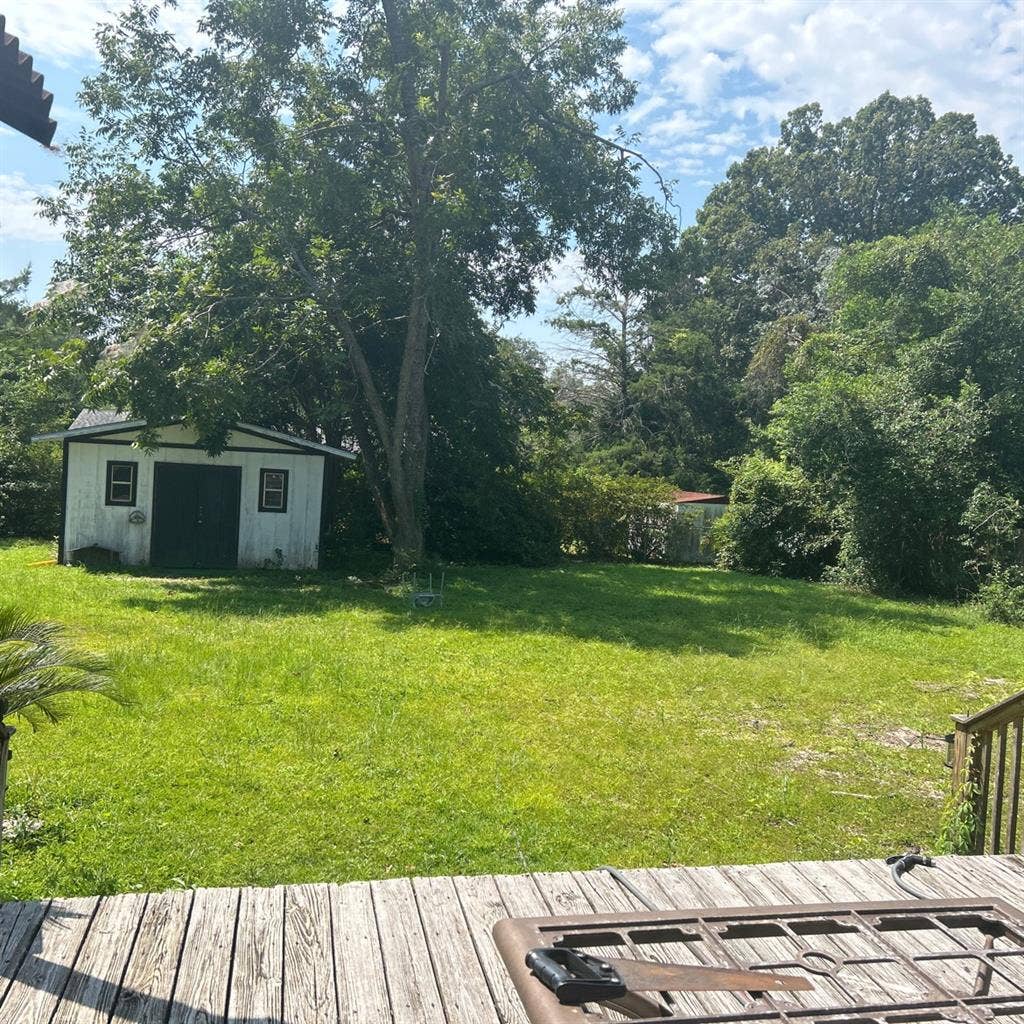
{"x":613,"y":336}
{"x":766,"y":236}
{"x":944,"y":306}
{"x":686,"y":410}
{"x":905,"y":416}
{"x":40,"y":382}
{"x":482,"y":503}
{"x":896,"y":469}
{"x":286,"y":224}
{"x":777,"y":523}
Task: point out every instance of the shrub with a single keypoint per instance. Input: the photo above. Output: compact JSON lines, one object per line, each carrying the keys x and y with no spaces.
{"x":503,"y":518}
{"x":1001,"y":596}
{"x":608,"y":517}
{"x":993,"y":531}
{"x":775,"y":524}
{"x":29,"y":488}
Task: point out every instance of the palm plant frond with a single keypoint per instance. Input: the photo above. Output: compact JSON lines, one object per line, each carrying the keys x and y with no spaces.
{"x":41,"y":666}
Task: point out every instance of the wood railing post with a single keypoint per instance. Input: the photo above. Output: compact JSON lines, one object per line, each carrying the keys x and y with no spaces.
{"x":983,"y":756}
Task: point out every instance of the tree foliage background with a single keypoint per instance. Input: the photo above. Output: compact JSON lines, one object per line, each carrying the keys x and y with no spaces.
{"x":308,"y":222}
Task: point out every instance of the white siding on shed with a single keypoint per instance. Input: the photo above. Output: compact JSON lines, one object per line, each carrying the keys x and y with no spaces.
{"x":694,"y":544}
{"x":289,"y":539}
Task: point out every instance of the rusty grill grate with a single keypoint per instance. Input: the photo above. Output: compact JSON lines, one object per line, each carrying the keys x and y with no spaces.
{"x":923,"y":960}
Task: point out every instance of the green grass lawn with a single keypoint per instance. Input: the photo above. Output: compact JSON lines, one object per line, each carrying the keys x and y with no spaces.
{"x":304,"y":727}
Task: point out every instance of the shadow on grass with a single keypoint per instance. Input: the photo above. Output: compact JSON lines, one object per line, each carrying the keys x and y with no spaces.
{"x":648,"y":607}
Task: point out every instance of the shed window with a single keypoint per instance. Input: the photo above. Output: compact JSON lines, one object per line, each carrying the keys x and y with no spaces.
{"x":273,"y":490}
{"x":121,"y":480}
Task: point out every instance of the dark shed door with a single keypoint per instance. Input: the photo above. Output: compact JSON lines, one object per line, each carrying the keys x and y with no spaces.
{"x":195,"y":516}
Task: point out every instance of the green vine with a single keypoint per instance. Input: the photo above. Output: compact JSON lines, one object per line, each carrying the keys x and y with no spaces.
{"x":960,"y":820}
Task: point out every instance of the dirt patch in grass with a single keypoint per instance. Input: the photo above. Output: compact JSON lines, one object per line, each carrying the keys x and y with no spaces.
{"x":902,"y":738}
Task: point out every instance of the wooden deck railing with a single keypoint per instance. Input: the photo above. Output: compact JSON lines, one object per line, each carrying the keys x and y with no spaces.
{"x":987,"y":773}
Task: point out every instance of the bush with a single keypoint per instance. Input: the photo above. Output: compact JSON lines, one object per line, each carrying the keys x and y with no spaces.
{"x":611,"y":518}
{"x":503,"y":519}
{"x":1001,"y":596}
{"x":993,"y":531}
{"x":776,"y":524}
{"x":29,"y":488}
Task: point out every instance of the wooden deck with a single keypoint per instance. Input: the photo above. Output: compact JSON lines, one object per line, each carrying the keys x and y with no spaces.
{"x":403,"y":951}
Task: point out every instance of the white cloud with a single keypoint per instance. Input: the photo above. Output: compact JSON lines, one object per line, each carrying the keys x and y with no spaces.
{"x":680,"y":123}
{"x":63,"y":31}
{"x":757,"y":59}
{"x":640,"y":111}
{"x":19,"y":213}
{"x":635,"y":63}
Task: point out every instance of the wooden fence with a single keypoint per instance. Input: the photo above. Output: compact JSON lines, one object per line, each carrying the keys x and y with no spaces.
{"x":987,"y":773}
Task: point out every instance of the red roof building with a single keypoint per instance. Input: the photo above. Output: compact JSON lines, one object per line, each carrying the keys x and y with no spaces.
{"x":699,"y":498}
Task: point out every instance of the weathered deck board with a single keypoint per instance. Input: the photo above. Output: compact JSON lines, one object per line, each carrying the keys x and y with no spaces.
{"x":359,"y":962}
{"x":408,"y":970}
{"x":460,"y":977}
{"x":310,"y":992}
{"x":44,"y":973}
{"x":201,"y":989}
{"x":92,"y":989}
{"x":19,"y":923}
{"x":258,"y":975}
{"x":483,"y":906}
{"x":395,"y":952}
{"x":148,"y":984}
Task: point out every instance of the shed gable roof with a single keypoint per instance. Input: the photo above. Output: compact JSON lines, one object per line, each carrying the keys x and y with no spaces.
{"x":91,"y":422}
{"x":98,"y":418}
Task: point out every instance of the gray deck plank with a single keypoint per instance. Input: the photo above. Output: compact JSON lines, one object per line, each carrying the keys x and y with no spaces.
{"x":310,"y":992}
{"x":412,"y":986}
{"x":359,"y":962}
{"x":394,"y":952}
{"x":722,"y":891}
{"x":875,"y":883}
{"x":255,"y":994}
{"x":872,"y":884}
{"x":460,"y":976}
{"x":96,"y":980}
{"x":991,"y":876}
{"x":149,"y":981}
{"x":679,"y":889}
{"x":36,"y":991}
{"x":606,"y":894}
{"x":521,"y":896}
{"x":483,"y":906}
{"x":562,"y":893}
{"x":19,"y":923}
{"x":201,"y":989}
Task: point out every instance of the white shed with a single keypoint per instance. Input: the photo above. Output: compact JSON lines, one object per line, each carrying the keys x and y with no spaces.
{"x":697,"y":512}
{"x":256,"y":504}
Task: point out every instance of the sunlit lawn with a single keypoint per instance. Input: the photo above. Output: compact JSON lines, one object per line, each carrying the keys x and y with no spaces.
{"x":306,"y":727}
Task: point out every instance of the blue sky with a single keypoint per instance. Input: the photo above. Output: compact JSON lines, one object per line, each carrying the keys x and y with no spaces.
{"x":715,"y":78}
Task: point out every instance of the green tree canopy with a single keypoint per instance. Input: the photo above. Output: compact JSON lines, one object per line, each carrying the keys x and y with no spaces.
{"x":286,"y":224}
{"x":41,"y":381}
{"x":766,"y":236}
{"x":904,"y":419}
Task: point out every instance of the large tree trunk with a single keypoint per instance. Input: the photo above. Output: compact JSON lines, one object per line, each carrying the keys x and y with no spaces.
{"x":393,"y":441}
